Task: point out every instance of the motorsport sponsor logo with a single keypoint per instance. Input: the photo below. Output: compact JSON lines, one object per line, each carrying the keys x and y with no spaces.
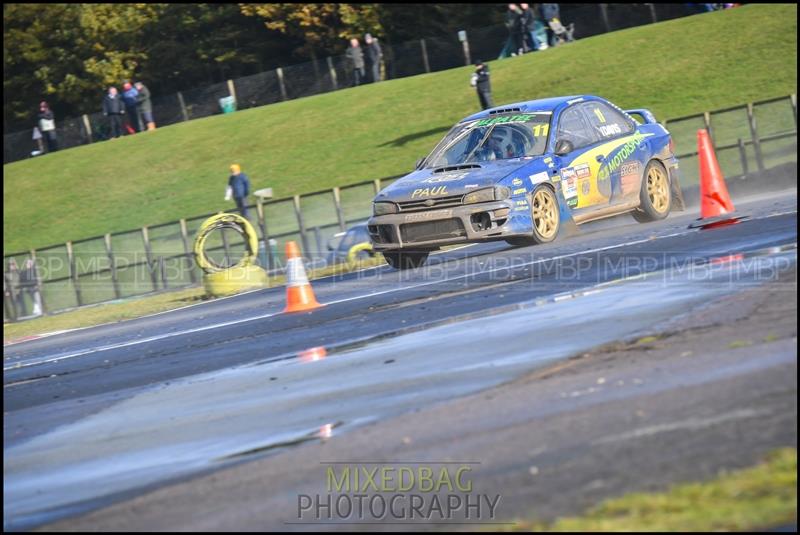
{"x":518,"y":191}
{"x":585,"y":187}
{"x":619,"y":158}
{"x":516,"y":182}
{"x":434,"y":191}
{"x":446,"y":177}
{"x":427,"y":216}
{"x":522,"y":202}
{"x":470,"y":186}
{"x":582,"y":171}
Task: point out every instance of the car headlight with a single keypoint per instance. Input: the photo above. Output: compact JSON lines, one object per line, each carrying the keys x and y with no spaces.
{"x":497,"y":193}
{"x":481,"y":195}
{"x":384,"y":208}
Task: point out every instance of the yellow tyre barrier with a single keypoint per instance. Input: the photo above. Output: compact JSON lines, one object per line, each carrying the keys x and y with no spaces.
{"x":352,"y":254}
{"x":225,"y":280}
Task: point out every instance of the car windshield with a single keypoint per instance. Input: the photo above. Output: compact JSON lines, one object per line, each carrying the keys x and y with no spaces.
{"x":500,"y":137}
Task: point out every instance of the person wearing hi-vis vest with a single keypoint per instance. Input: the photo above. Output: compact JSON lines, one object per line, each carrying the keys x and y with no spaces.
{"x":47,"y":126}
{"x":238,"y":188}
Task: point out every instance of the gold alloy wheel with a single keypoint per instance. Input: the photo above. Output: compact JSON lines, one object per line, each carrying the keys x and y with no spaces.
{"x":545,"y":213}
{"x":658,"y":189}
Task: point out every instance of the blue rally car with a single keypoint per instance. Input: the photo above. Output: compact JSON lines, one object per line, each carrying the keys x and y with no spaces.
{"x":521,"y":172}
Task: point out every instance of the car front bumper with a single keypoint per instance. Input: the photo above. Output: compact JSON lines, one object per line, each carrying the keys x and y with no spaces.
{"x":434,"y":228}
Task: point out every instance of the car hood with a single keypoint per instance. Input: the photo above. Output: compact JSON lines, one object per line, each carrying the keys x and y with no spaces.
{"x":451,"y":180}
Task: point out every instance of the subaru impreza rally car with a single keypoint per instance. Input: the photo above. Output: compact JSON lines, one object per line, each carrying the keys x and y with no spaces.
{"x":522,"y":172}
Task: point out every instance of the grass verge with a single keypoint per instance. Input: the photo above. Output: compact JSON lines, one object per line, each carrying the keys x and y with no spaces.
{"x":677,"y":67}
{"x":764,"y":496}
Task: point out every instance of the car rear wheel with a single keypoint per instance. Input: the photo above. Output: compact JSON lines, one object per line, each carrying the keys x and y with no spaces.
{"x":546,"y":218}
{"x":655,"y":197}
{"x":406,"y":259}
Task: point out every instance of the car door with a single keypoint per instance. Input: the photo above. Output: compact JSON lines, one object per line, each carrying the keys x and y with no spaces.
{"x":578,"y":172}
{"x":623,"y":154}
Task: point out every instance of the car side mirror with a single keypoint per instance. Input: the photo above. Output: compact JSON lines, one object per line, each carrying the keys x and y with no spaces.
{"x":563,"y":147}
{"x":419,"y":163}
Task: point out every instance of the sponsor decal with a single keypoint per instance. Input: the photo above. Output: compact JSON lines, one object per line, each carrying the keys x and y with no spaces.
{"x":539,"y":177}
{"x":516,"y":182}
{"x":520,"y":118}
{"x":572,"y":203}
{"x":568,"y":172}
{"x":470,"y":186}
{"x":585,"y":187}
{"x":569,"y":187}
{"x":445,"y":177}
{"x":609,"y":130}
{"x":521,"y":209}
{"x":518,"y":191}
{"x":429,"y":192}
{"x":622,"y":155}
{"x":582,"y":171}
{"x":629,"y":179}
{"x":548,"y":160}
{"x":522,"y":203}
{"x":427,"y":216}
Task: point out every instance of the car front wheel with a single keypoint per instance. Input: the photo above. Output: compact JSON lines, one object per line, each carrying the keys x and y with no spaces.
{"x":406,"y":259}
{"x":545,"y":216}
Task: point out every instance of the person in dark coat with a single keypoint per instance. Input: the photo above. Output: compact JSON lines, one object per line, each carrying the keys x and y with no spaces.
{"x":529,"y":28}
{"x":513,"y":24}
{"x":240,"y":188}
{"x":355,"y":61}
{"x":114,"y":109}
{"x":145,"y":106}
{"x":373,"y":55}
{"x":480,"y":81}
{"x":131,"y":106}
{"x":47,"y":126}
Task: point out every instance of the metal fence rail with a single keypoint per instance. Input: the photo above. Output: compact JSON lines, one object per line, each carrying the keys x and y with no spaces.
{"x":409,"y":58}
{"x":747,"y":138}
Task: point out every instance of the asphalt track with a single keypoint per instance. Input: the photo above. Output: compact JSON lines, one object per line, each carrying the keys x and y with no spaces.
{"x":178,"y":393}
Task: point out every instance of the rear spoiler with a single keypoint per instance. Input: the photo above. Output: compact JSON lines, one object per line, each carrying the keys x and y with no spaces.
{"x":647,"y":115}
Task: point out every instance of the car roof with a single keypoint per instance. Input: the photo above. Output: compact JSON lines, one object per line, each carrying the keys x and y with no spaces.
{"x":544,"y":104}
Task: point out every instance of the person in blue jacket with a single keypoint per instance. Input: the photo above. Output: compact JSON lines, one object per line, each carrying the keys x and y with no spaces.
{"x":239,"y":186}
{"x":130,"y":97}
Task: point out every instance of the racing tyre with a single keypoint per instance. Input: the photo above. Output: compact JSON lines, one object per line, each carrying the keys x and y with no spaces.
{"x":406,"y":259}
{"x":655,"y":197}
{"x":546,"y":218}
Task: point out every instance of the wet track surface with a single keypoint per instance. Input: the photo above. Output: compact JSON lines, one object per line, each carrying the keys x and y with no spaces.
{"x":97,"y":412}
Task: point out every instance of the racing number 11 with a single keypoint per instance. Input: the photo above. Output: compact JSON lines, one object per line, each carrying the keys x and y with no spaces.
{"x":540,"y":129}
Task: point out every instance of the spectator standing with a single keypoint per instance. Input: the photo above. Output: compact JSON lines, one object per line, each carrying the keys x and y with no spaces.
{"x":373,"y":55}
{"x":131,"y":106}
{"x":239,"y":186}
{"x":29,"y":284}
{"x":355,"y":61}
{"x":550,"y":12}
{"x":47,"y":126}
{"x":114,"y":109}
{"x":145,"y":106}
{"x":513,"y":24}
{"x":480,"y":81}
{"x":37,"y":137}
{"x":530,"y":42}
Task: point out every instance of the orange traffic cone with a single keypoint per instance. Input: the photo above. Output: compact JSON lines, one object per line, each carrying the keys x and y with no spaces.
{"x":299,"y":295}
{"x":716,"y":207}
